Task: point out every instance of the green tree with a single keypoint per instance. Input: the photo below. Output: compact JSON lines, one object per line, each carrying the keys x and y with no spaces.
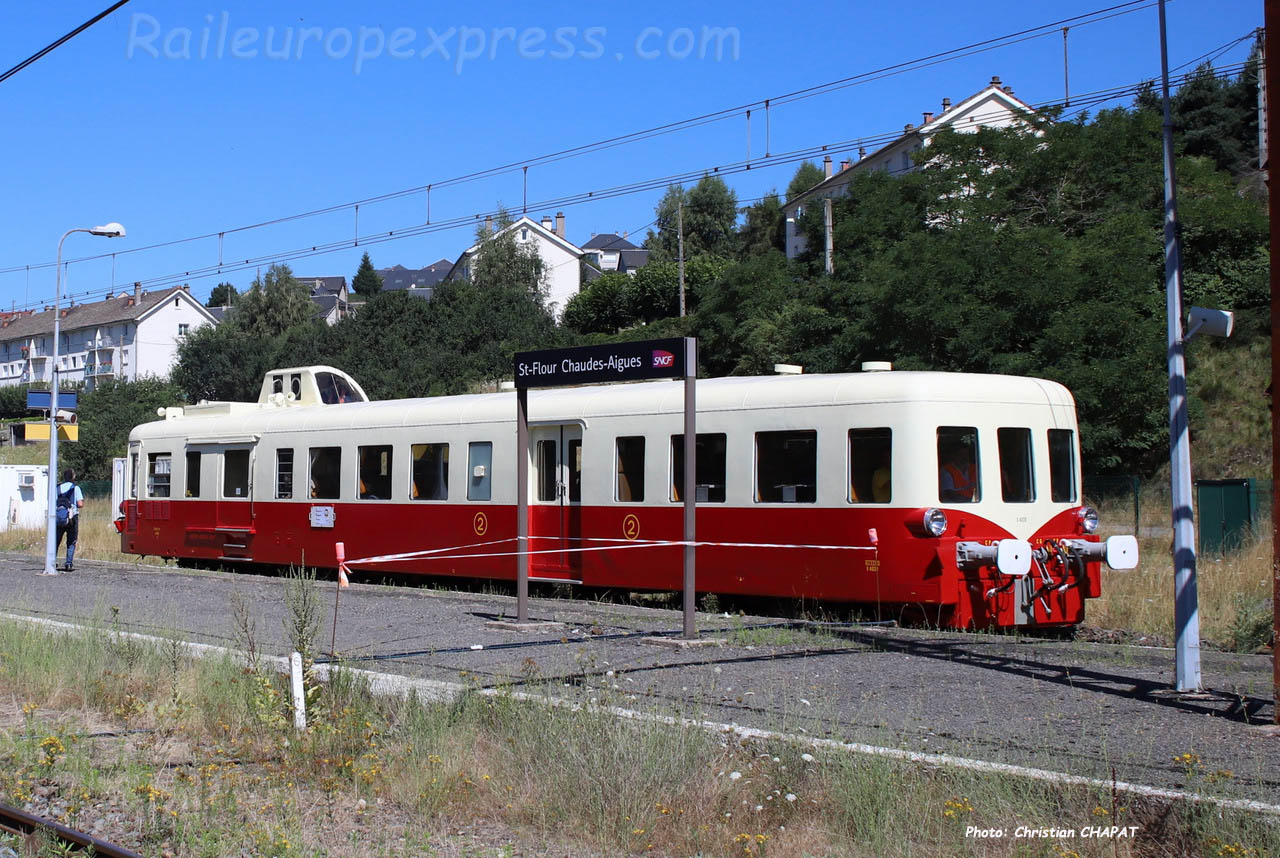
{"x":602,"y":306}
{"x":108,"y":414}
{"x":367,"y":280}
{"x":710,"y":213}
{"x":274,"y":303}
{"x":223,"y":363}
{"x":806,"y":176}
{"x":223,"y":295}
{"x":501,"y":260}
{"x":764,"y":228}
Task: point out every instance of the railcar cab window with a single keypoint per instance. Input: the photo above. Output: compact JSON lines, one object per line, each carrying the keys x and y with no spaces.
{"x":133,"y":472}
{"x":958,"y":480}
{"x":334,"y":389}
{"x":787,"y":466}
{"x":870,"y":465}
{"x":1017,"y":477}
{"x":326,"y":472}
{"x":480,"y":470}
{"x":709,"y":467}
{"x":284,"y":473}
{"x":375,"y":472}
{"x":159,"y":466}
{"x":630,"y":486}
{"x":235,"y":474}
{"x":193,"y":474}
{"x":1062,"y":465}
{"x":430,"y":472}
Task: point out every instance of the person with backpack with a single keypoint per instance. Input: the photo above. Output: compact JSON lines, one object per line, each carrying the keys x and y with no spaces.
{"x":67,"y":512}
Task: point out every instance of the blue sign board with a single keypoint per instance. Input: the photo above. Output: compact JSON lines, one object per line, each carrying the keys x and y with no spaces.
{"x":38,"y":400}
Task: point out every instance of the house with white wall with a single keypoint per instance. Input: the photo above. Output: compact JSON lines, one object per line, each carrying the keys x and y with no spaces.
{"x":561,"y":258}
{"x":127,"y":336}
{"x":994,"y":106}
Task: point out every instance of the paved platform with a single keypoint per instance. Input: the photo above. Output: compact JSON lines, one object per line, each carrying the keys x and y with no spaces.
{"x":1073,"y":707}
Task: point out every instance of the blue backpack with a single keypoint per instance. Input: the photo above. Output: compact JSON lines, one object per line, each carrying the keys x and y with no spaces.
{"x":65,"y":500}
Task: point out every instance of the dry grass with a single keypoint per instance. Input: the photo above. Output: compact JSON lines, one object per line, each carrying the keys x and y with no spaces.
{"x":202,"y":760}
{"x":1234,"y":591}
{"x":98,"y":537}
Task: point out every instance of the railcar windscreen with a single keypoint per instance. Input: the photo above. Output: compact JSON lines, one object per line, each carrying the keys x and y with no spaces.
{"x":959,"y":479}
{"x":1062,"y":465}
{"x":1017,"y":475}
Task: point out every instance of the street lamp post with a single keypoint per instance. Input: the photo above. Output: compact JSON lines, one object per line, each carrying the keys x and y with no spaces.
{"x":111,"y":230}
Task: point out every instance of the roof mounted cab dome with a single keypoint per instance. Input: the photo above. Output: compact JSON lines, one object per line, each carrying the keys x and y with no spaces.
{"x":310,"y":385}
{"x":877,"y":366}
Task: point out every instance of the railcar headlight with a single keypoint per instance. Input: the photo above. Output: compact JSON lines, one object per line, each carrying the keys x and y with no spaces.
{"x":935,"y":522}
{"x":1088,"y":519}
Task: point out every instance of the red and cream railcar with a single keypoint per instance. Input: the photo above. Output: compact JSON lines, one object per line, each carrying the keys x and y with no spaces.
{"x":958,"y":494}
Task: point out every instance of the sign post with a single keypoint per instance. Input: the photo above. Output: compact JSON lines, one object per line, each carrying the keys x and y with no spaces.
{"x":635,"y":361}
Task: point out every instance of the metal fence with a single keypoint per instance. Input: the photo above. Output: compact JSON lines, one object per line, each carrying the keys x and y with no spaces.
{"x":1126,"y":498}
{"x":95,"y":488}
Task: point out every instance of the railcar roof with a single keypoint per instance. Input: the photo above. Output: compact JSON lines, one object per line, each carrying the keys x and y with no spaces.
{"x":663,"y":397}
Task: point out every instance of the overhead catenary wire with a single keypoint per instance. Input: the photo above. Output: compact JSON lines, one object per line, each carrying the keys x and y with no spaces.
{"x":671,"y":127}
{"x":57,"y":43}
{"x":1080,"y":104}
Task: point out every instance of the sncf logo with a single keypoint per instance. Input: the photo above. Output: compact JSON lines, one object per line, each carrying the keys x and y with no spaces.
{"x":663,"y":359}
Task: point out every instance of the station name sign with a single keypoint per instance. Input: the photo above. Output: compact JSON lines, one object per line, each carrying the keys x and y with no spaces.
{"x":635,"y":361}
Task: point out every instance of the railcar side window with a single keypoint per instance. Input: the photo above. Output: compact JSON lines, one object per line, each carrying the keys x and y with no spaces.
{"x":235,"y":474}
{"x":480,"y":470}
{"x":870,"y":465}
{"x":326,"y":473}
{"x":193,"y":474}
{"x":787,"y":466}
{"x":430,"y":472}
{"x":1017,"y":477}
{"x":158,"y":467}
{"x":284,"y":473}
{"x":575,"y":470}
{"x":958,"y":480}
{"x":548,"y":474}
{"x":375,"y":472}
{"x":708,"y":467}
{"x":1062,"y":465}
{"x":630,"y":487}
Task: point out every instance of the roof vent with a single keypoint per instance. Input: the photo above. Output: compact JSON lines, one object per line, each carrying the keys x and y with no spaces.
{"x":788,"y":369}
{"x":876,"y":366}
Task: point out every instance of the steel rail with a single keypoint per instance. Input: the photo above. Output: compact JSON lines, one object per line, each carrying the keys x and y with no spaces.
{"x":23,"y":824}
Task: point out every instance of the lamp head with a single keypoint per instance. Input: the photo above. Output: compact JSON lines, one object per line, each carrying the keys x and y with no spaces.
{"x":111,"y":230}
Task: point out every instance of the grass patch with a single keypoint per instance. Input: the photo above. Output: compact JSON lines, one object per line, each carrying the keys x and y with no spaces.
{"x":168,"y":754}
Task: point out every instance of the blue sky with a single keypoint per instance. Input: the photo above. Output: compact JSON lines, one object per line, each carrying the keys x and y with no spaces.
{"x":158,"y":118}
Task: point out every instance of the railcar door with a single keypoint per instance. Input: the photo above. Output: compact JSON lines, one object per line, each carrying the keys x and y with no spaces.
{"x":555,"y":511}
{"x":234,"y":495}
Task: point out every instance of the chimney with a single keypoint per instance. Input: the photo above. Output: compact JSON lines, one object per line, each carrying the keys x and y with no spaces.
{"x":1008,"y":89}
{"x":995,"y":80}
{"x":186,"y":287}
{"x":488,"y":224}
{"x":624,"y":235}
{"x":844,"y":165}
{"x":63,"y":313}
{"x":908,"y":127}
{"x":137,"y":291}
{"x":826,"y":166}
{"x":546,"y":223}
{"x":862,"y":152}
{"x":928,"y":117}
{"x":946,"y":105}
{"x":560,"y":224}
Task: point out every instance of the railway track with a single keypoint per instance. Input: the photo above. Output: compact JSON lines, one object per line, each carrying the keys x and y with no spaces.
{"x":26,"y":825}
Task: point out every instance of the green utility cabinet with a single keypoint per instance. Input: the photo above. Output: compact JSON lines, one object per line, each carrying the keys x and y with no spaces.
{"x":1226,"y":514}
